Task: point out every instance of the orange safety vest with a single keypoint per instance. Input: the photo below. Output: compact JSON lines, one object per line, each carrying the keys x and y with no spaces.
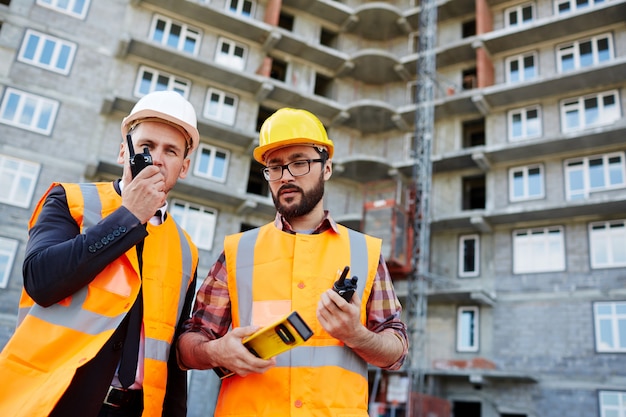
{"x":49,"y":344}
{"x":272,"y":270}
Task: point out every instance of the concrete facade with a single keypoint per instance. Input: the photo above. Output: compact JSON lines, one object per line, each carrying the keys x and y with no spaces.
{"x":534,"y":291}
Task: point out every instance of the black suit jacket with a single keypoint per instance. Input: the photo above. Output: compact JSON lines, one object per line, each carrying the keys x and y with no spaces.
{"x":58,"y":263}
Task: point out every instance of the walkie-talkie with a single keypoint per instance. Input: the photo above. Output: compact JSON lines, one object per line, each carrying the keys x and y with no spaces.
{"x":345,"y":287}
{"x":137,"y":161}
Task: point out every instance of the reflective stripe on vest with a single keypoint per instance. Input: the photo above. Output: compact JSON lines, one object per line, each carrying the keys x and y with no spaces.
{"x":306,"y":356}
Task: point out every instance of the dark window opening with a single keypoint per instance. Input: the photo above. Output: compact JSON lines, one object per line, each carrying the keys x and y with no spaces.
{"x":285,"y":21}
{"x":468,"y":29}
{"x":264,"y":113}
{"x":279,"y":70}
{"x":256,"y":182}
{"x":246,"y":226}
{"x":473,"y":133}
{"x":465,"y":409}
{"x":328,"y":38}
{"x":469,"y":79}
{"x":323,"y":86}
{"x":474,"y":192}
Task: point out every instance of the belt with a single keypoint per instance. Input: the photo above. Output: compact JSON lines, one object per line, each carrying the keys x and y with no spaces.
{"x":120,"y":397}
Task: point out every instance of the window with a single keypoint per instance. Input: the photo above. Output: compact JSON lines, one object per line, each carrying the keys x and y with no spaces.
{"x":175,"y":35}
{"x":469,"y":256}
{"x":566,"y":6}
{"x":589,"y":111}
{"x":285,"y":21}
{"x":526,"y":183}
{"x":538,"y":250}
{"x":28,"y":111}
{"x":524,"y":123}
{"x":469,"y":79}
{"x":279,"y":69}
{"x":220,"y":106}
{"x":8,"y":249}
{"x":74,"y":8}
{"x":198,"y":221}
{"x":521,"y":68}
{"x":584,"y":53}
{"x":18,"y":179}
{"x":612,"y":403}
{"x":211,"y":163}
{"x":241,"y":7}
{"x":149,"y":80}
{"x":328,"y":38}
{"x":323,"y":86}
{"x":467,"y":329}
{"x":473,"y":133}
{"x":607,"y":244}
{"x":610,"y":326}
{"x":256,"y":182}
{"x":231,"y":54}
{"x":594,"y":173}
{"x":474,"y":192}
{"x":47,"y":52}
{"x":519,"y":15}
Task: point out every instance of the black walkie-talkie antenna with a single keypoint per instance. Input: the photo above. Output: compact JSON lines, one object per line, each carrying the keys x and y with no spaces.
{"x":131,"y":148}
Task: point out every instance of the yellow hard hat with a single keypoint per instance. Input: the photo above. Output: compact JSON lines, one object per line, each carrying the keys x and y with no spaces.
{"x":291,"y":127}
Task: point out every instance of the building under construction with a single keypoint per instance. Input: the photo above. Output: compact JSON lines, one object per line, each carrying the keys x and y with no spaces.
{"x":483,"y":140}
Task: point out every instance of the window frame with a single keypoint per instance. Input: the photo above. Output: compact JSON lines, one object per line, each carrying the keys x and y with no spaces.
{"x":202,"y":238}
{"x":572,"y":5}
{"x":187,"y":32}
{"x":519,"y":10}
{"x":617,"y":410}
{"x":238,"y":9}
{"x":578,"y":105}
{"x":31,"y":103}
{"x":520,"y":59}
{"x":211,"y":163}
{"x":175,"y":83}
{"x":539,"y":253}
{"x":615,"y":317}
{"x":222,"y":115}
{"x":463,"y":239}
{"x":19,"y":176}
{"x":573,"y":48}
{"x":526,"y":196}
{"x":42,"y":40}
{"x":474,"y":330}
{"x":230,"y":59}
{"x":582,"y":164}
{"x":525,"y":123}
{"x":69,"y":9}
{"x":10,"y":251}
{"x":607,"y":235}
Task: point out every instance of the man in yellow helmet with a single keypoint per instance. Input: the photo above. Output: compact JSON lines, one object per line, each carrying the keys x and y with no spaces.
{"x":291,"y":265}
{"x":109,"y":279}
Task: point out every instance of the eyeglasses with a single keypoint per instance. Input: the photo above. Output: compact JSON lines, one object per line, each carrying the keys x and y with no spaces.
{"x":295,"y":168}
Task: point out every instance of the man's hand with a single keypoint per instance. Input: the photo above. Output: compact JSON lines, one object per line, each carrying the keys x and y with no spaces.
{"x":340,"y":318}
{"x":145,"y":194}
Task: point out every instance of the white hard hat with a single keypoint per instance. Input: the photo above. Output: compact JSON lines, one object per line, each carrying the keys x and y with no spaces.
{"x":169,"y":106}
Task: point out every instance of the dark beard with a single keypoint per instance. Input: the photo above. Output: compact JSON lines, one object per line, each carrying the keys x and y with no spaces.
{"x":307,"y":203}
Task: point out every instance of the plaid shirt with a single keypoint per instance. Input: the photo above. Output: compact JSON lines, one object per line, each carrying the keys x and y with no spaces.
{"x":212,"y":316}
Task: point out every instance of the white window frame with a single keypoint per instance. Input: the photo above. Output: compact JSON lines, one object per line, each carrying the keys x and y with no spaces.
{"x":579,"y":109}
{"x":613,"y":166}
{"x":609,"y":318}
{"x":231,"y":58}
{"x":525,"y":178}
{"x":464,"y":241}
{"x":18,"y":178}
{"x":573,"y":49}
{"x":198,"y":221}
{"x":187,"y":33}
{"x":239,"y":7}
{"x":519,"y":11}
{"x":526,"y":123}
{"x":607,"y":244}
{"x":28,"y":111}
{"x":612,"y":403}
{"x":67,"y":7}
{"x":208,"y":172}
{"x":219,"y":110}
{"x":467,"y":330}
{"x":174,"y":83}
{"x":8,"y":250}
{"x":538,"y":250}
{"x":572,"y":5}
{"x":521,"y":62}
{"x":42,"y":45}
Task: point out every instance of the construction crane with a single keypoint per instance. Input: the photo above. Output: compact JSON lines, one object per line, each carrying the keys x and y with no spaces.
{"x":422,"y":172}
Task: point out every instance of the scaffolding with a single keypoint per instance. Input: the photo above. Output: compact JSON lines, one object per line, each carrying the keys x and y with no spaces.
{"x":422,"y":172}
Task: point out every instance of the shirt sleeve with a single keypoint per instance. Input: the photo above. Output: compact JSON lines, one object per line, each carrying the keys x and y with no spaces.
{"x":211,"y":312}
{"x":384,"y":310}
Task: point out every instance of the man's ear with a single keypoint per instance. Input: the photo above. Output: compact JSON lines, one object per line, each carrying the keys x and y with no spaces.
{"x":120,"y":156}
{"x":328,"y":170}
{"x":184,"y":170}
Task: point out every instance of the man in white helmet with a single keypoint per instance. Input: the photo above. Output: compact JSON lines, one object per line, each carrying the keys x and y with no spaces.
{"x":290,"y":265}
{"x":108,"y":281}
